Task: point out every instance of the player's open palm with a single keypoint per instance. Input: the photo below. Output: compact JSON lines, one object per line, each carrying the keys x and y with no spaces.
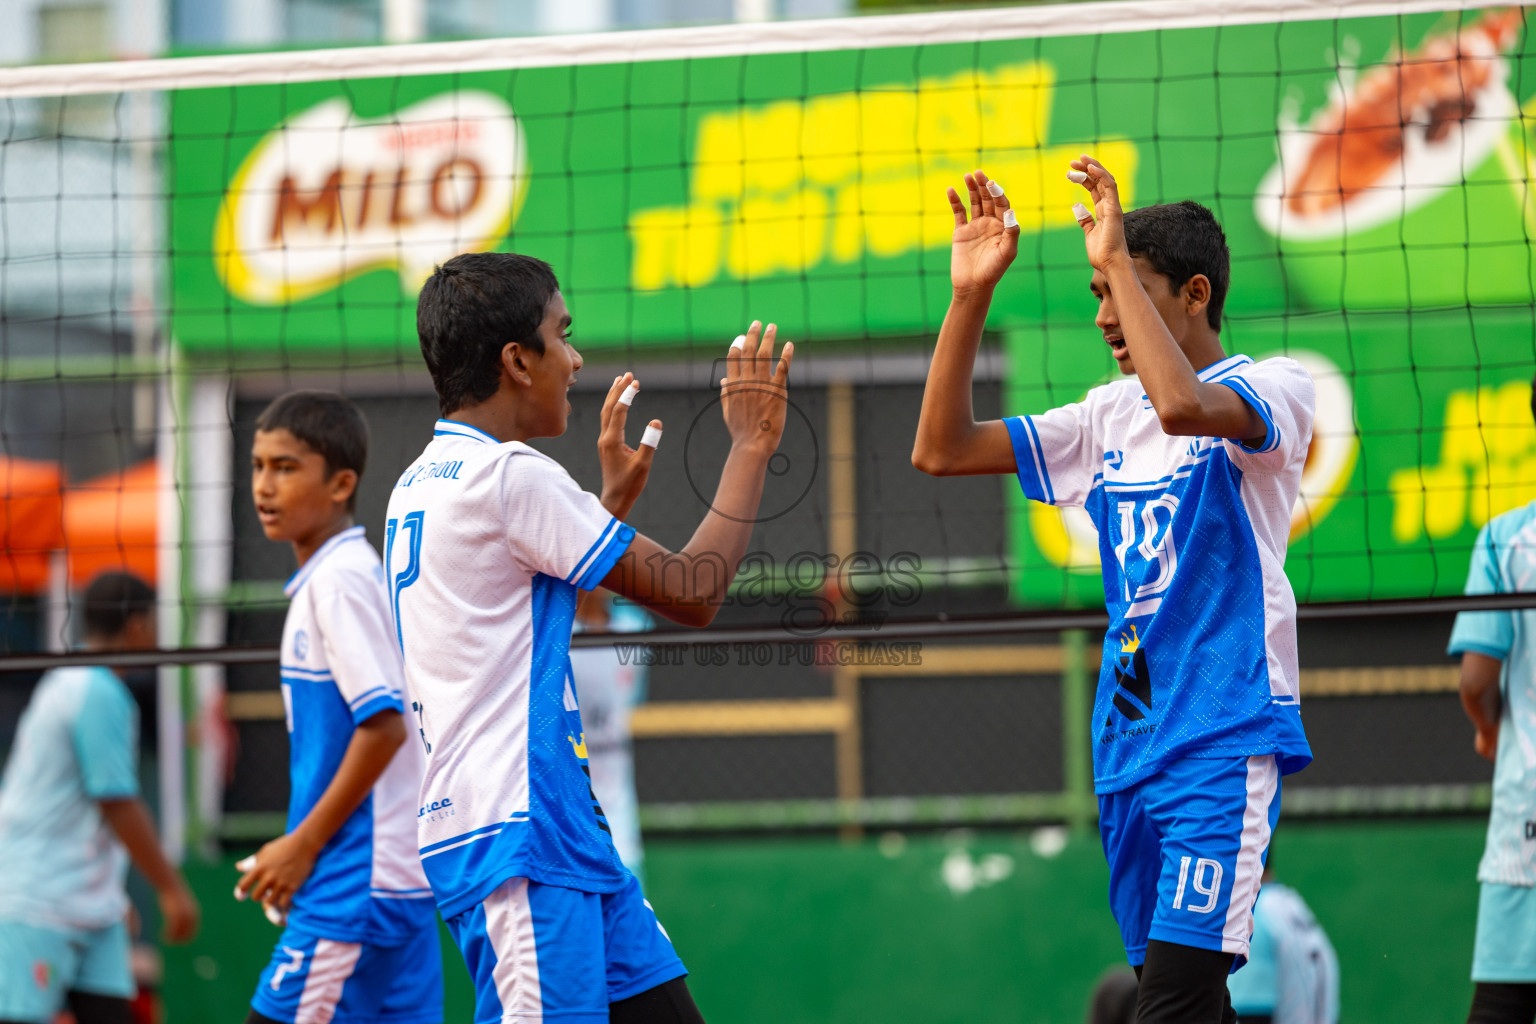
{"x":1104,"y":227}
{"x":984,"y":245}
{"x":754,"y":396}
{"x":625,"y":469}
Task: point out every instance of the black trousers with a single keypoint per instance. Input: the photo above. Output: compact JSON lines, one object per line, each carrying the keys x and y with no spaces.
{"x":1184,"y":985}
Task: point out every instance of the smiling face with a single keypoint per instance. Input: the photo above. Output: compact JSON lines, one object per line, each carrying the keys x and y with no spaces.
{"x":296,"y":499}
{"x":546,"y":403}
{"x":1172,"y":305}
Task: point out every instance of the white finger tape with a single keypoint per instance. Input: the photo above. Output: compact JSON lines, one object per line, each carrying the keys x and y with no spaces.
{"x":247,"y":864}
{"x":276,"y":915}
{"x":740,"y":342}
{"x":651,"y":437}
{"x":239,"y":895}
{"x":1077,"y":176}
{"x":1081,"y":212}
{"x":628,"y":397}
{"x":1009,"y":220}
{"x":996,"y":189}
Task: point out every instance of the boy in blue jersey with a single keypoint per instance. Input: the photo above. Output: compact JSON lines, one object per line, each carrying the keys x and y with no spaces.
{"x":1190,"y":476}
{"x":488,"y":543}
{"x":70,"y":819}
{"x":1498,"y":692}
{"x":361,"y":938}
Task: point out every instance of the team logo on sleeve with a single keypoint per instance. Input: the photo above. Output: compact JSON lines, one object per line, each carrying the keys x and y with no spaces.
{"x":301,"y":645}
{"x":1133,"y":684}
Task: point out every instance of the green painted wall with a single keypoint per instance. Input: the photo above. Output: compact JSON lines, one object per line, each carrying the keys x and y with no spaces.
{"x":787,"y":930}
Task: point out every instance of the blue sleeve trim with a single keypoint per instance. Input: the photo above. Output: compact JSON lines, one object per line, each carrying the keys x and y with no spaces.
{"x":1034,"y":479}
{"x":112,"y":793}
{"x":600,"y":566}
{"x":1458,"y":647}
{"x":383,"y":702}
{"x":597,"y":545}
{"x":368,"y":695}
{"x":1271,"y":432}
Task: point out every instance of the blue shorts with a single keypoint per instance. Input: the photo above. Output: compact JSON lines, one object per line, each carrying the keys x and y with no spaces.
{"x":1505,"y":950}
{"x":313,"y":980}
{"x":537,"y":951}
{"x":1186,"y":849}
{"x":38,"y":966}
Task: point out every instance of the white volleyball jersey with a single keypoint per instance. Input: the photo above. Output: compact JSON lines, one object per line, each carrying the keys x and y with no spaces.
{"x":340,"y":667}
{"x":1504,"y":562}
{"x":486,"y":546}
{"x":1200,"y":655}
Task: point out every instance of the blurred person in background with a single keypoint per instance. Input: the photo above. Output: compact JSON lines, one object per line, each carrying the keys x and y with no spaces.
{"x":1114,"y":997}
{"x":1292,"y":975}
{"x":1498,"y":692}
{"x":71,"y":818}
{"x":608,"y":686}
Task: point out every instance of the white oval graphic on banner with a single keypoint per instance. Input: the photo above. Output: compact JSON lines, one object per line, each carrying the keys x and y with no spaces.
{"x":327,"y":196}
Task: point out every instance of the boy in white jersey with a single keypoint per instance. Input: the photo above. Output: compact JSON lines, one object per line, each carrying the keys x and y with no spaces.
{"x":1189,"y":476}
{"x":361,"y":938}
{"x":489,"y":542}
{"x":70,"y":819}
{"x":1498,"y":691}
{"x":1292,"y":976}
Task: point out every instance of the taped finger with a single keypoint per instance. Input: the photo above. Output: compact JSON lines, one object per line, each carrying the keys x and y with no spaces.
{"x":1082,"y":213}
{"x":652,"y":436}
{"x":1077,"y":177}
{"x":1010,"y":220}
{"x":628,"y":397}
{"x":995,"y":189}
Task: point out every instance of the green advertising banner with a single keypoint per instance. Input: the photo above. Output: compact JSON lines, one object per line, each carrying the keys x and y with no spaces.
{"x":1372,"y":174}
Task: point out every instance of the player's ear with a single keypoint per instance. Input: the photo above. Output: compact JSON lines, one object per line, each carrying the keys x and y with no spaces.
{"x":515,"y":363}
{"x":343,"y":485}
{"x":1197,"y":295}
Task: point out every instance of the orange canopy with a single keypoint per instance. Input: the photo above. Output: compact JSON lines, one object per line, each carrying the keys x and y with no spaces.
{"x":110,"y":523}
{"x":31,"y":522}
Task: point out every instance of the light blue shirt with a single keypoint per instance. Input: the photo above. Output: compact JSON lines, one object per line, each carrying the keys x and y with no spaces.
{"x":76,"y":744}
{"x":1504,"y":562}
{"x":1292,"y":973}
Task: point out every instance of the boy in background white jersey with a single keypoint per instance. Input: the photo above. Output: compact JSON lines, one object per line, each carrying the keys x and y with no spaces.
{"x":361,"y":938}
{"x":1292,"y":975}
{"x":488,"y":542}
{"x":70,"y":819}
{"x":1189,"y":476}
{"x":1498,"y":692}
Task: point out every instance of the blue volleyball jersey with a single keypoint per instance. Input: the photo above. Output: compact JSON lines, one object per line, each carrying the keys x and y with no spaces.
{"x":1200,"y":656}
{"x":487,"y":545}
{"x":340,"y":667}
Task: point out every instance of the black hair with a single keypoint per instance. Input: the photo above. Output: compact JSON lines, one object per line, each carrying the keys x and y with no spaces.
{"x":328,"y":423}
{"x":111,"y":600}
{"x":1181,"y":240}
{"x":470,"y":309}
{"x":1114,"y":997}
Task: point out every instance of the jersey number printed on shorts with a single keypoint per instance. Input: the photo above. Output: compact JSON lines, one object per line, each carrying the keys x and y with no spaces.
{"x":1206,"y":882}
{"x":1154,"y":522}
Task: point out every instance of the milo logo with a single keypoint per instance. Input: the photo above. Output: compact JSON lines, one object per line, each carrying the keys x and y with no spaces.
{"x":327,"y":195}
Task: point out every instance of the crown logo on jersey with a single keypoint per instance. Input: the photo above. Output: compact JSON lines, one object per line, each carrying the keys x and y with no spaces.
{"x":1133,"y":684}
{"x":578,"y":747}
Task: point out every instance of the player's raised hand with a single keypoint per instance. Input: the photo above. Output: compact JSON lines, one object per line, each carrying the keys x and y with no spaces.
{"x":625,"y":469}
{"x":984,"y":245}
{"x":754,"y":393}
{"x":1103,"y":226}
